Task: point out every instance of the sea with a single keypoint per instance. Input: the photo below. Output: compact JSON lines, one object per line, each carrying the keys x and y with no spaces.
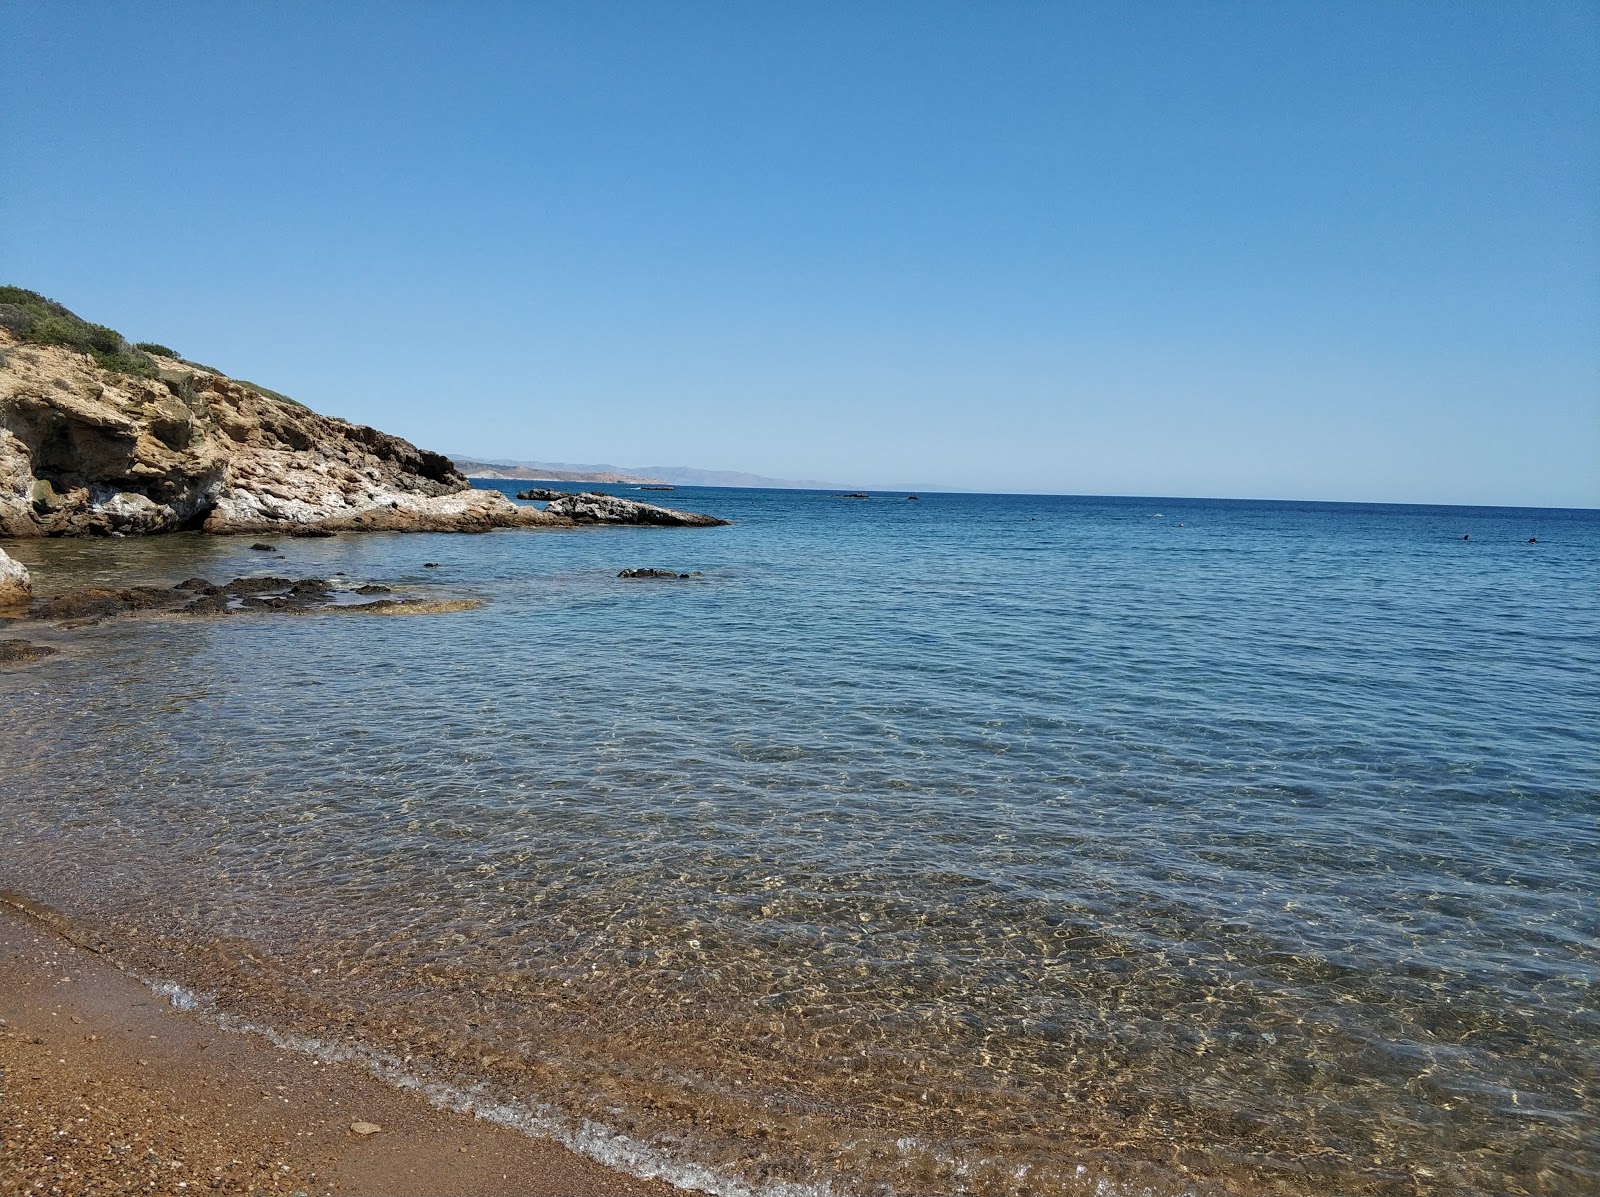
{"x":990,"y":844}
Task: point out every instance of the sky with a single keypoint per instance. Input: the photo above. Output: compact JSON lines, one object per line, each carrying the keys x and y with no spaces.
{"x":1299,"y":251}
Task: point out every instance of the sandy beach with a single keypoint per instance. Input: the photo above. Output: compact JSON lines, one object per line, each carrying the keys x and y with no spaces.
{"x":106,"y":1089}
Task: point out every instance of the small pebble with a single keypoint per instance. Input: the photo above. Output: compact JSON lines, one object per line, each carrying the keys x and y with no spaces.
{"x":365,"y":1128}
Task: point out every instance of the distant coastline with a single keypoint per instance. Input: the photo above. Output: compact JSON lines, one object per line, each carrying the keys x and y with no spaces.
{"x":548,"y":471}
{"x":529,"y":473}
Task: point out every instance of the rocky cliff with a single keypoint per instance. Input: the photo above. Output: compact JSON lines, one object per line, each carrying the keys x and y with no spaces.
{"x":89,"y":449}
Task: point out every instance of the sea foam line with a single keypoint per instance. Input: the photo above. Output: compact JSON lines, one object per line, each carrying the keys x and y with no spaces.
{"x":537,"y":1120}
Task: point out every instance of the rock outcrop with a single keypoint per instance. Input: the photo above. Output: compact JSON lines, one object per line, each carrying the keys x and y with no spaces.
{"x":16,"y":587}
{"x":101,"y":436}
{"x":85,"y":450}
{"x":593,"y":507}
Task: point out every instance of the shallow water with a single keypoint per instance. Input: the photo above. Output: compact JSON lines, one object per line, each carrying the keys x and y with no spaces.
{"x":985,"y":843}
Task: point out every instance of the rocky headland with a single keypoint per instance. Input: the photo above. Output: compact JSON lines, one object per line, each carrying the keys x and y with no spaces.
{"x":98,"y":436}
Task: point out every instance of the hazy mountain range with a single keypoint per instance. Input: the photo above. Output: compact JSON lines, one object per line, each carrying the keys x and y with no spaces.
{"x":557,"y":471}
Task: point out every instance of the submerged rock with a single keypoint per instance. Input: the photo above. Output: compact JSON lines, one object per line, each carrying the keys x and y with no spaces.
{"x":196,"y":596}
{"x":14,"y":652}
{"x":593,"y":507}
{"x":656,"y":573}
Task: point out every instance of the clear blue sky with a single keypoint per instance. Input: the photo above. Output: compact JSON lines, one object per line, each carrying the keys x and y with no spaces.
{"x":1338,"y":251}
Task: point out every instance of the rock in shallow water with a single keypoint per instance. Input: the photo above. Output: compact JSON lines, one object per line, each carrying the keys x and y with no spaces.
{"x":596,"y":508}
{"x":15,"y":651}
{"x":16,"y":585}
{"x":657,"y":573}
{"x":198,"y":597}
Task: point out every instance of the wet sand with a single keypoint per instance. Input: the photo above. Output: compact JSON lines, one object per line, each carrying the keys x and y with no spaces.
{"x":105,"y":1088}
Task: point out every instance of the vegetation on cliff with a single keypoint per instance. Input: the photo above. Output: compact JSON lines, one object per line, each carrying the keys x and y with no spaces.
{"x":41,"y":321}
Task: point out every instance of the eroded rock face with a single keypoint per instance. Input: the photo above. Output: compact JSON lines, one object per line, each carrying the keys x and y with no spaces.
{"x":16,"y":586}
{"x":592,"y":507}
{"x":84,"y":450}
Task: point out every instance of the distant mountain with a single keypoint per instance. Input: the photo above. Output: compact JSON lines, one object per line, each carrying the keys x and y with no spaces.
{"x":553,"y":471}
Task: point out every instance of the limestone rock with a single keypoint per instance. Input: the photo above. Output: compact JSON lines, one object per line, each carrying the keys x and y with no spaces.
{"x":16,"y":585}
{"x":593,"y":507}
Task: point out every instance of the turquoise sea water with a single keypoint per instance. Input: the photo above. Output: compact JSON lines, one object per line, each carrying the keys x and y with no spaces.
{"x":1002,"y":844}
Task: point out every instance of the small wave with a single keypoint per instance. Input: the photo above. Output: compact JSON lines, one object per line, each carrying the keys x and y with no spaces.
{"x":181,"y":998}
{"x":535,"y":1119}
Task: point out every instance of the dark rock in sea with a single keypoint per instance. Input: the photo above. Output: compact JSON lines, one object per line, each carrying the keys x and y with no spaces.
{"x":542,"y":494}
{"x":257,"y":585}
{"x":264,"y":548}
{"x":854,"y":495}
{"x":198,"y":597}
{"x":430,"y":565}
{"x":657,"y":487}
{"x":96,"y":602}
{"x":14,"y":652}
{"x":913,"y":498}
{"x":593,"y":507}
{"x":214,"y":602}
{"x":656,"y":573}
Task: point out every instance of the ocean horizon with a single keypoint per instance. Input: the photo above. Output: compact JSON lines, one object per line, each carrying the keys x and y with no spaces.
{"x":985,"y":843}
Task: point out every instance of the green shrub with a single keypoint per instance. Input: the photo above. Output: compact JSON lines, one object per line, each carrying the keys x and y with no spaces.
{"x":155,"y":347}
{"x":46,"y":322}
{"x":17,"y":318}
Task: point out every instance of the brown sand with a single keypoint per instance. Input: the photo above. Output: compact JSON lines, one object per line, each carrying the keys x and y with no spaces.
{"x":104,"y":1088}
